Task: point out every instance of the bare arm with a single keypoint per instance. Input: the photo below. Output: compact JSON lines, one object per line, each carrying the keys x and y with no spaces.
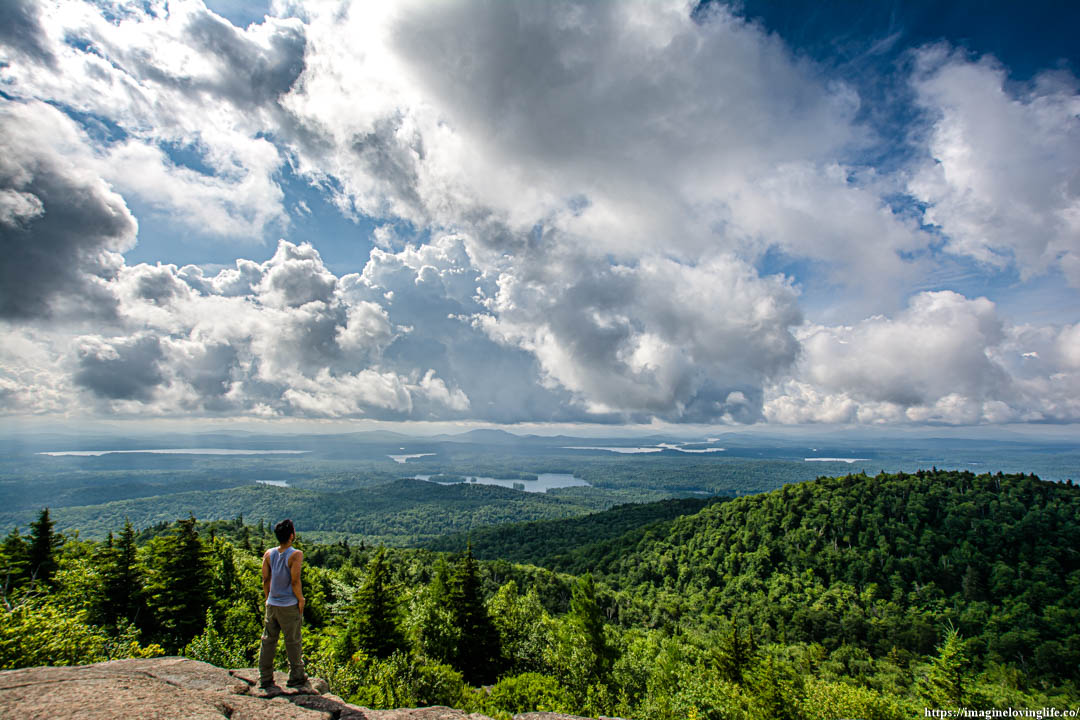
{"x":295,"y":561}
{"x":266,"y":575}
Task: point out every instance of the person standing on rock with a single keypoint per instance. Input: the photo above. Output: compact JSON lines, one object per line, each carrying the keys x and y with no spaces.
{"x":284,"y":607}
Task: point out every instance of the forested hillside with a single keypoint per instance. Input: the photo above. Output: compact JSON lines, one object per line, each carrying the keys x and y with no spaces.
{"x":869,"y":597}
{"x":880,"y":564}
{"x":398,"y":512}
{"x":549,"y":543}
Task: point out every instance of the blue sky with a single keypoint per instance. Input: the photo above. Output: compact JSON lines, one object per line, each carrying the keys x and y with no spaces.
{"x":739,"y":214}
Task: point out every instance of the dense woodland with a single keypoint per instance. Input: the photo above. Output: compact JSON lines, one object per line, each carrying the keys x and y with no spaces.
{"x":860,"y":596}
{"x":400,"y":512}
{"x":94,"y":495}
{"x":570,"y":543}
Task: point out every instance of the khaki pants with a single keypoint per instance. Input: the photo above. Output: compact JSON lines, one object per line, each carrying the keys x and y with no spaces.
{"x":281,"y":619}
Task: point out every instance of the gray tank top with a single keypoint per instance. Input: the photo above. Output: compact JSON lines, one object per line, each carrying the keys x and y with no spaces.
{"x":281,"y":594}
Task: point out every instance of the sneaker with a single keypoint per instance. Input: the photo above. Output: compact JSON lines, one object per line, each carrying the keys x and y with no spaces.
{"x":298,"y":685}
{"x":267,"y":684}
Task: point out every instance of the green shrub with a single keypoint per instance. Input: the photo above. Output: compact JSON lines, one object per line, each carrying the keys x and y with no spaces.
{"x":438,"y":684}
{"x":37,"y":632}
{"x":222,"y":650}
{"x":529,"y":692}
{"x":826,"y":700}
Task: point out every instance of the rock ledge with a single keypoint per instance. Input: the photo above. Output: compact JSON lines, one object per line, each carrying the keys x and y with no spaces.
{"x":176,"y":687}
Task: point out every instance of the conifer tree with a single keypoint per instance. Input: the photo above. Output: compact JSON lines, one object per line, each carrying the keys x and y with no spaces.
{"x":773,"y":689}
{"x":440,"y":580}
{"x":14,"y":558}
{"x":373,"y":623}
{"x":178,"y":584}
{"x":733,"y":649}
{"x":478,"y":651}
{"x":586,"y":617}
{"x":245,"y":539}
{"x":433,"y":627}
{"x":121,"y":579}
{"x":43,"y":546}
{"x":225,"y":578}
{"x":944,"y":682}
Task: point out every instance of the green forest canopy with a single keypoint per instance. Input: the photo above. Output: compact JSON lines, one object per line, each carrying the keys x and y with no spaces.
{"x":858,"y":596}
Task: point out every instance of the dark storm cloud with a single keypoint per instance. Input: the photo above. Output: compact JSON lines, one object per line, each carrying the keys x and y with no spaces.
{"x":209,"y":372}
{"x":59,"y":221}
{"x":120,"y":369}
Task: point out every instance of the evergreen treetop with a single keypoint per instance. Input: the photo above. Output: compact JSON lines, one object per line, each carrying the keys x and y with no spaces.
{"x":43,"y":546}
{"x":373,"y":624}
{"x":478,"y":651}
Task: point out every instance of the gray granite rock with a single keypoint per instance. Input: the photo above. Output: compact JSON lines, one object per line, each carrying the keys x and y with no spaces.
{"x":173,"y":687}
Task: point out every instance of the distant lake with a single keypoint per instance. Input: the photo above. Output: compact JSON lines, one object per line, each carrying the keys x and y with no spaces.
{"x":275,"y":483}
{"x":843,"y":460}
{"x":636,"y":450}
{"x":403,"y":458}
{"x":623,"y":450}
{"x":542,"y":483}
{"x":172,"y":451}
{"x":679,"y":448}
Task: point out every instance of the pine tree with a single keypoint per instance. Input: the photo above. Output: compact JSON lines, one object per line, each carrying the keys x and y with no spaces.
{"x":944,"y":682}
{"x":373,"y":623}
{"x":43,"y":546}
{"x":435,"y":632}
{"x":478,"y":651}
{"x":440,"y":580}
{"x":178,"y":584}
{"x":732,"y":650}
{"x":225,"y":575}
{"x":14,"y":558}
{"x":587,"y":619}
{"x":972,"y":584}
{"x":774,"y":690}
{"x":121,"y":579}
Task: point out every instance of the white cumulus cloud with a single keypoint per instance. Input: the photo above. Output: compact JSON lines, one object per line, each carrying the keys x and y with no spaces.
{"x":1003,"y":178}
{"x":946,"y":358}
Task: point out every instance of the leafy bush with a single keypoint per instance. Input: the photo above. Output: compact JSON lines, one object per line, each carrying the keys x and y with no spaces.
{"x":38,"y":632}
{"x":827,"y":700}
{"x":217,"y":649}
{"x":529,"y":692}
